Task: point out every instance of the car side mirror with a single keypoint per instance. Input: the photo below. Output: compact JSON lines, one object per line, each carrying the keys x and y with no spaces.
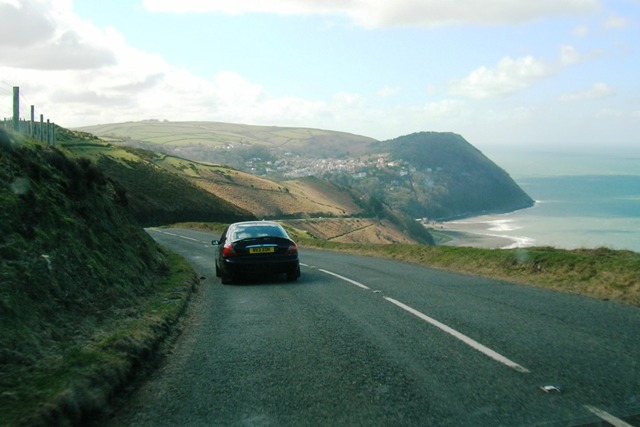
{"x":215,"y":242}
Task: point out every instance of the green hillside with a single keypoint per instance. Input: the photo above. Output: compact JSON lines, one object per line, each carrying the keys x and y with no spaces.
{"x":154,"y":195}
{"x":228,"y":143}
{"x":76,"y":272}
{"x":162,"y":189}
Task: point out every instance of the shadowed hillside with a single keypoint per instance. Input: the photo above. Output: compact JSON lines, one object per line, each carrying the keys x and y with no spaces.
{"x":154,"y":195}
{"x":74,"y":267}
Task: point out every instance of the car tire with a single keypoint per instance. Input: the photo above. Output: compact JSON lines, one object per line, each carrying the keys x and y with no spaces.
{"x":218,"y":273}
{"x":293,"y":275}
{"x":226,"y":279}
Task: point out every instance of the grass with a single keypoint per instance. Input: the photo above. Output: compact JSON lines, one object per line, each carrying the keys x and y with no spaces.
{"x":147,"y":187}
{"x":86,"y":296}
{"x":215,"y":134}
{"x":599,"y":273}
{"x":73,"y":386}
{"x":150,"y":179}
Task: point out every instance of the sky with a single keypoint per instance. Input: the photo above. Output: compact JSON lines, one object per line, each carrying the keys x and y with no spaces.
{"x":544,"y":74}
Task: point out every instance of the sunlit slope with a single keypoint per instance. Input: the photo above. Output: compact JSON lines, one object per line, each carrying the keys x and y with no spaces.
{"x":352,"y":230}
{"x":265,"y":197}
{"x":160,"y":181}
{"x":201,"y":136}
{"x":154,"y":194}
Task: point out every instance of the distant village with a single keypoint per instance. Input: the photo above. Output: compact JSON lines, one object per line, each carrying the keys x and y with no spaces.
{"x":292,"y":166}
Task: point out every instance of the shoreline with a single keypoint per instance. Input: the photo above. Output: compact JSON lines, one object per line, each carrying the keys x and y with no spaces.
{"x":459,"y":232}
{"x":470,"y":235}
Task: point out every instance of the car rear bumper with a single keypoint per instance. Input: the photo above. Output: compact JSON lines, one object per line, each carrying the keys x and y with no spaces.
{"x":248,"y":266}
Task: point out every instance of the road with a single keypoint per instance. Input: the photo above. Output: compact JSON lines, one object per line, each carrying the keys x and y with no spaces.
{"x":363,"y":341}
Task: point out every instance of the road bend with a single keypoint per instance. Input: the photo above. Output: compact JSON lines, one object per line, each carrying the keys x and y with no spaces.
{"x":364,"y":341}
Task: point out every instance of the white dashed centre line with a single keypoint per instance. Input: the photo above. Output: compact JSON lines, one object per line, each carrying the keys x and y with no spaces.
{"x":469,"y":341}
{"x":603,"y":415}
{"x":346,"y":279}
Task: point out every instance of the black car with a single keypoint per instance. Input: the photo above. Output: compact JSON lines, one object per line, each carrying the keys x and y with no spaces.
{"x":255,"y":248}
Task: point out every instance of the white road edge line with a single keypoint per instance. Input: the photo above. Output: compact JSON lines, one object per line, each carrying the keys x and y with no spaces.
{"x":189,"y":238}
{"x":469,"y":341}
{"x":605,"y":416}
{"x":346,"y":279}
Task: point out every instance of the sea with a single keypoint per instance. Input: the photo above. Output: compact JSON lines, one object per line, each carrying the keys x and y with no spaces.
{"x":583,"y":200}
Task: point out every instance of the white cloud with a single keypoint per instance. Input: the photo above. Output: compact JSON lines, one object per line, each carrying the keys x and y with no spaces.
{"x":23,"y":25}
{"x":569,"y":55}
{"x":616,"y":22}
{"x":512,"y":75}
{"x":232,"y":89}
{"x":509,"y":76}
{"x":104,"y":80}
{"x":384,"y":13}
{"x":46,"y":35}
{"x":580,"y":31}
{"x":609,"y":113}
{"x":239,"y":7}
{"x":445,"y":109}
{"x":388,"y":91}
{"x":77,"y":74}
{"x":598,"y":90}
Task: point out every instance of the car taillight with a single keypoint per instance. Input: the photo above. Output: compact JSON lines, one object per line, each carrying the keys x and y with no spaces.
{"x":292,"y":249}
{"x":228,"y":251}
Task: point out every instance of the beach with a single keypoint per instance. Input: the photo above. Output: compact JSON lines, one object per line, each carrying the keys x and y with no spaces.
{"x":472,"y":235}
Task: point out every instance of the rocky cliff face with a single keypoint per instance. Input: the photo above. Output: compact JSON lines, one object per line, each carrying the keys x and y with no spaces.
{"x":436,"y":175}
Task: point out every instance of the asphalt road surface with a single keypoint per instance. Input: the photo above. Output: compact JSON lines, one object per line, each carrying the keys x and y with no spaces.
{"x":359,"y":341}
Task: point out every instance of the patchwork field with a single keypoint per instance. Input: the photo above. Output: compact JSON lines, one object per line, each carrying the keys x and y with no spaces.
{"x":265,"y":198}
{"x":219,"y":135}
{"x":351,"y":230}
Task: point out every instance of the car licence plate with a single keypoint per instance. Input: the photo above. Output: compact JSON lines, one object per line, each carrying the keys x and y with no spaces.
{"x":262,"y":250}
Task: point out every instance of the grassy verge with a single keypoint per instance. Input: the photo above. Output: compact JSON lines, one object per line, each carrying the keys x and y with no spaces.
{"x":598,"y":273}
{"x":74,"y":386}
